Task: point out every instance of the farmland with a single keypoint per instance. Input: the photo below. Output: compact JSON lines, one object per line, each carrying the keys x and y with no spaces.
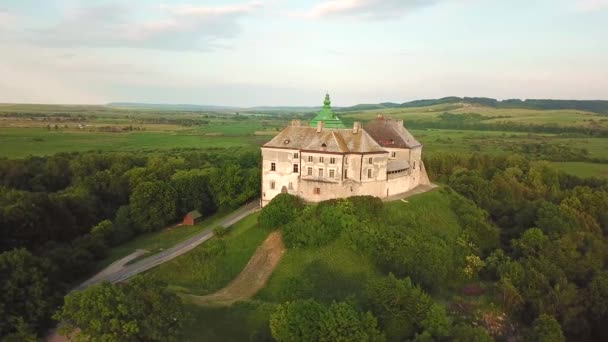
{"x":38,"y":130}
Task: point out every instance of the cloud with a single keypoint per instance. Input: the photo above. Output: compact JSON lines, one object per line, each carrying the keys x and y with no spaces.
{"x":371,"y":9}
{"x":176,"y":27}
{"x":591,"y":5}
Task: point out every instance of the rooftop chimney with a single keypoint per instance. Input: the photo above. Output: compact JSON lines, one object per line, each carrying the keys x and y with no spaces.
{"x":356,"y":127}
{"x":296,"y":123}
{"x":320,"y":126}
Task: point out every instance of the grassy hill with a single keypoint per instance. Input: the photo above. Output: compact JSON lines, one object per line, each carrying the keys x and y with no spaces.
{"x":336,"y":271}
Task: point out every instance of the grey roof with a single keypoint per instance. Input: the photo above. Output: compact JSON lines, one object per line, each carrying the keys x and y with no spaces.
{"x":195,"y":214}
{"x":394,"y":165}
{"x":390,"y":133}
{"x":328,"y":140}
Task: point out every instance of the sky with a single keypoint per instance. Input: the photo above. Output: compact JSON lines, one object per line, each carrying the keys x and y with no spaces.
{"x":290,"y":52}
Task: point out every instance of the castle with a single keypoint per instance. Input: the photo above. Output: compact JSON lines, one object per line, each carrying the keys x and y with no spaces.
{"x":326,"y":160}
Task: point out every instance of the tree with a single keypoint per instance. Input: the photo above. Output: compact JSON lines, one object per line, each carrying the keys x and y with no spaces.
{"x":192,"y":188}
{"x":141,"y":310}
{"x":308,"y":320}
{"x":152,"y":205}
{"x":283,"y":209}
{"x":402,"y":308}
{"x":546,"y":329}
{"x":342,"y":323}
{"x":25,"y":295}
{"x":297,"y":321}
{"x":467,"y":333}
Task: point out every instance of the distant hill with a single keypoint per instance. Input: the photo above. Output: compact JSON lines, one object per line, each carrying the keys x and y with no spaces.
{"x":160,"y":106}
{"x":596,"y":106}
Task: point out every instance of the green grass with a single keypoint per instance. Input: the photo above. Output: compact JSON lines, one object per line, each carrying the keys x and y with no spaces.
{"x":239,"y":322}
{"x":216,"y":262}
{"x":157,"y":241}
{"x":582,"y":169}
{"x":22,"y":142}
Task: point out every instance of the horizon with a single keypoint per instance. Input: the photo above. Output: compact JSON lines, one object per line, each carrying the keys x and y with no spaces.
{"x":277,"y":105}
{"x":243,"y":53}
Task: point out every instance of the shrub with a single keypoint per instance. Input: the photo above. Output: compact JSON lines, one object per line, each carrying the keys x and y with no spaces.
{"x":283,"y":209}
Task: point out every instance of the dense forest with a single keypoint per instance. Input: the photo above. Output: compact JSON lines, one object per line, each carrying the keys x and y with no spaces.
{"x":60,"y":214}
{"x":532,"y":239}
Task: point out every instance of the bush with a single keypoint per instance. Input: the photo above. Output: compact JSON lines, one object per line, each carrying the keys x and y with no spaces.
{"x":283,"y":209}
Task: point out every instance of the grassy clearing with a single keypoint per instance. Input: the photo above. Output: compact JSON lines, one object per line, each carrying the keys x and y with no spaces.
{"x":215,"y":263}
{"x":240,"y":322}
{"x":158,"y":241}
{"x":582,"y":169}
{"x":22,"y":142}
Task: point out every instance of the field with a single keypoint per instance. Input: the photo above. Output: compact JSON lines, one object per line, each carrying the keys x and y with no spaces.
{"x":36,"y":130}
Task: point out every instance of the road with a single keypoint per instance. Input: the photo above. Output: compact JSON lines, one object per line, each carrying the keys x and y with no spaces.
{"x":145,"y":264}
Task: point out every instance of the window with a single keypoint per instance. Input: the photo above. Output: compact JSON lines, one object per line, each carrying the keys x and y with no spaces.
{"x":369,"y":173}
{"x":273,"y":166}
{"x":290,"y":186}
{"x":310,"y":171}
{"x":310,"y":159}
{"x":321,"y":173}
{"x":414,"y":165}
{"x":321,"y":159}
{"x":345,"y":173}
{"x":393,"y":154}
{"x":296,"y":156}
{"x":272,"y":185}
{"x":295,"y":168}
{"x":370,"y":160}
{"x":332,"y":173}
{"x":346,"y":160}
{"x":317,"y":191}
{"x":332,"y":160}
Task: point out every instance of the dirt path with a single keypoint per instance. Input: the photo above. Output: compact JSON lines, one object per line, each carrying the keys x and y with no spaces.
{"x":252,"y":278}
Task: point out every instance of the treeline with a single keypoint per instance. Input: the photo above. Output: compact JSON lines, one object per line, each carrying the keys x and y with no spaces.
{"x":60,"y":214}
{"x":596,"y":106}
{"x":553,"y":252}
{"x":473,"y":121}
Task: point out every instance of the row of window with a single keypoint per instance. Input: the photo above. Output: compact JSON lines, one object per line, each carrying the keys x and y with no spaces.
{"x":396,"y":171}
{"x":296,"y":167}
{"x":273,"y":184}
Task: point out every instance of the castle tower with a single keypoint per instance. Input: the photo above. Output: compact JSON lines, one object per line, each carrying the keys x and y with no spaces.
{"x":327,"y":116}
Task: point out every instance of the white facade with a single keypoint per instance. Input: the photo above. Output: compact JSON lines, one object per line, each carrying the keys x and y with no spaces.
{"x":322,"y":175}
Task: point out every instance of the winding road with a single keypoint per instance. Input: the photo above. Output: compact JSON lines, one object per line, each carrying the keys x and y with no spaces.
{"x":145,"y":264}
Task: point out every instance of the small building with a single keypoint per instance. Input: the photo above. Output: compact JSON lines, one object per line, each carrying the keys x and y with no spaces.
{"x":192,"y":218}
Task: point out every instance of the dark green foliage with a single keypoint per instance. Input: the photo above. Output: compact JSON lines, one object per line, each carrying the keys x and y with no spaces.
{"x":283,"y":209}
{"x":366,"y":208}
{"x":402,"y":307}
{"x":307,"y":320}
{"x":152,"y":205}
{"x":193,"y":193}
{"x":26,"y":297}
{"x":141,"y":309}
{"x":476,"y":224}
{"x":467,"y":333}
{"x":320,"y":224}
{"x":553,"y":241}
{"x":546,"y":329}
{"x":58,"y":206}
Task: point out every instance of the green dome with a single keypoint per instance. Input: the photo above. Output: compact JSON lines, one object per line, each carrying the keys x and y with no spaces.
{"x":327,"y":115}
